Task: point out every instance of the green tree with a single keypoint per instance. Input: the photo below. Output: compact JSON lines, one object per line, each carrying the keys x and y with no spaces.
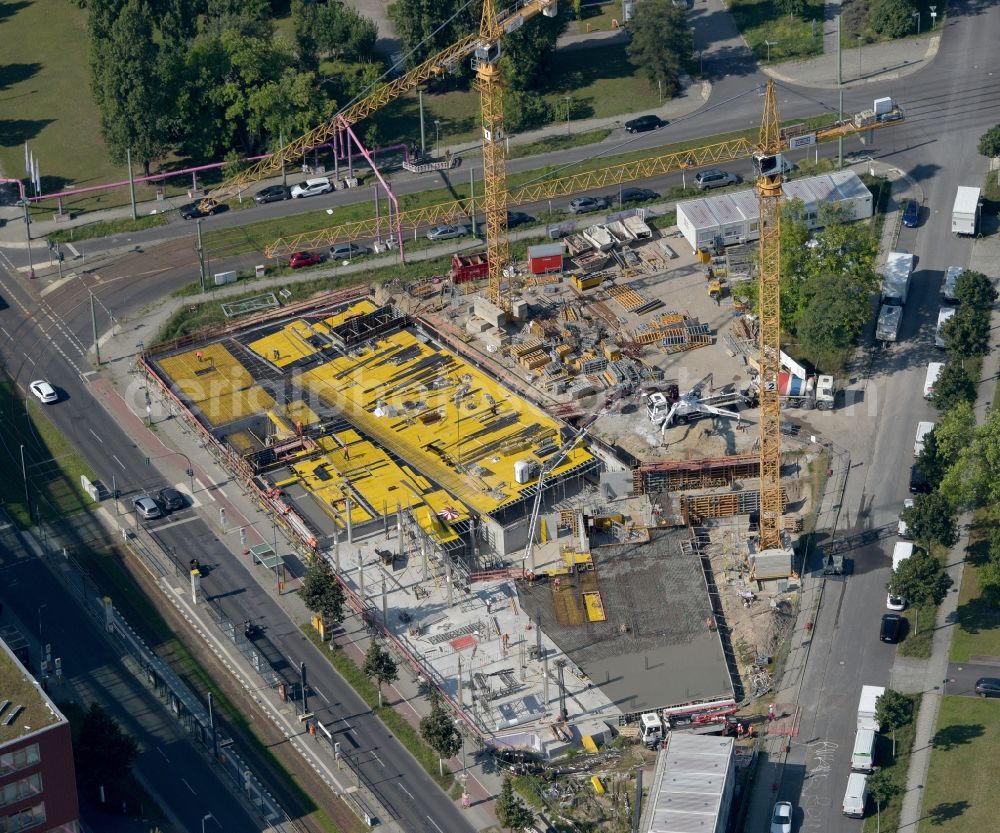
{"x":103,"y":753}
{"x":796,"y":259}
{"x":893,"y":18}
{"x":425,"y":27}
{"x":511,"y":813}
{"x":661,"y":43}
{"x":893,"y":710}
{"x":305,"y":22}
{"x":989,"y":142}
{"x":343,"y":32}
{"x":989,"y":583}
{"x":966,"y":333}
{"x":439,"y":730}
{"x":791,"y":7}
{"x":128,"y":91}
{"x":953,"y":385}
{"x":932,"y":461}
{"x":975,"y":290}
{"x":931,"y":520}
{"x":971,"y":481}
{"x":321,"y":592}
{"x":528,"y":56}
{"x":881,"y":788}
{"x":833,"y":310}
{"x":524,"y":111}
{"x":380,"y":666}
{"x":920,"y":579}
{"x":955,"y":431}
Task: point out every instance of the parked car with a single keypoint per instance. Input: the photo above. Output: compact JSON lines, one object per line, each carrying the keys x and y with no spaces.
{"x":911,"y":214}
{"x":988,"y":686}
{"x":581,"y":205}
{"x":446,"y":232}
{"x":273,"y":193}
{"x":348,"y":251}
{"x":43,"y":391}
{"x":638,"y":195}
{"x":644,"y":123}
{"x":193,"y":210}
{"x":299,"y":260}
{"x":518,"y":218}
{"x":171,"y":499}
{"x":901,"y":526}
{"x":892,"y":627}
{"x":145,"y":506}
{"x":311,"y":187}
{"x":781,"y":817}
{"x":714,"y":178}
{"x":918,"y":481}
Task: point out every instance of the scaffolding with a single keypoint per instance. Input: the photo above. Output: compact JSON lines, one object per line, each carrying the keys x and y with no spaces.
{"x":713,"y":473}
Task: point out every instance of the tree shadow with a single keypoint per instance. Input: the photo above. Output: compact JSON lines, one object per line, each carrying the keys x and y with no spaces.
{"x":952,"y":736}
{"x":14,"y":132}
{"x":976,"y":615}
{"x":583,"y":67}
{"x":8,"y":10}
{"x":946,"y":811}
{"x":11,"y":74}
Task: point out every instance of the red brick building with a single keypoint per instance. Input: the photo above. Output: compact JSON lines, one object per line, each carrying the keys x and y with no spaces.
{"x":37,"y":778}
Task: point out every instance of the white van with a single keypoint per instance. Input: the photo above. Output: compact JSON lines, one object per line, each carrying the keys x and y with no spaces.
{"x":863,"y":756}
{"x":900,"y":552}
{"x":950,"y":281}
{"x":933,"y":371}
{"x":856,"y":796}
{"x":943,"y":315}
{"x":923,"y":429}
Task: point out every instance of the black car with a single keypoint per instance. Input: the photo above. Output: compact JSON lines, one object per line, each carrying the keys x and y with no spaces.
{"x":273,"y":193}
{"x":988,"y":686}
{"x":892,"y":627}
{"x":171,"y":499}
{"x":644,"y":123}
{"x":518,"y":218}
{"x":193,"y":211}
{"x":638,"y":195}
{"x":918,"y":481}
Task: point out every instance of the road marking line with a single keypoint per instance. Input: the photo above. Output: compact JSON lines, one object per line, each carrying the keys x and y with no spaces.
{"x":435,"y":824}
{"x":186,"y":784}
{"x":164,"y":754}
{"x":7,"y":334}
{"x":119,"y":462}
{"x":91,"y":430}
{"x":72,"y":249}
{"x":320,"y":693}
{"x":406,"y":791}
{"x":161,"y":527}
{"x":377,"y":758}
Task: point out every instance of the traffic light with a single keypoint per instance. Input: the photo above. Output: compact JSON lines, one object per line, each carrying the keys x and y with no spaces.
{"x":147,"y":461}
{"x":189,"y":472}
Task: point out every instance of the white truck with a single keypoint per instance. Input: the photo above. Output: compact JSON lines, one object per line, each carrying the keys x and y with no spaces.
{"x":856,"y":796}
{"x":863,"y":754}
{"x":950,"y":281}
{"x":889,"y":319}
{"x":896,"y":278}
{"x":900,"y":552}
{"x":923,"y":429}
{"x":965,"y":212}
{"x":866,"y":706}
{"x":702,"y":717}
{"x":933,"y":371}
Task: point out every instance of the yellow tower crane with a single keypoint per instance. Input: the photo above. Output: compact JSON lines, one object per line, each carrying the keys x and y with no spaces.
{"x":767,"y":166}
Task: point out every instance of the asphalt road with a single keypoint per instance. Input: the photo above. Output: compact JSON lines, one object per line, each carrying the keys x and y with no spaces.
{"x":962,"y":677}
{"x":183,"y":778}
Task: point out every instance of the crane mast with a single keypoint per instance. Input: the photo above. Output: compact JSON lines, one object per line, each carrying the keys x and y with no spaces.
{"x":767,"y":165}
{"x":486,"y":62}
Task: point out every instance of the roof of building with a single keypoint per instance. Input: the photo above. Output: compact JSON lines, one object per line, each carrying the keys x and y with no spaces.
{"x":735,"y":207}
{"x":24,"y":707}
{"x":689,"y":784}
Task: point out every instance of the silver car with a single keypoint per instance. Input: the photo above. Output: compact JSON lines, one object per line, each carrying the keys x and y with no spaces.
{"x":311,"y":187}
{"x":713,"y":178}
{"x":146,"y":507}
{"x":347,"y":251}
{"x":446,"y":232}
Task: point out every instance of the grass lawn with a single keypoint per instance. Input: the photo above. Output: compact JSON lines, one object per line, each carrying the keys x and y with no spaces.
{"x":961,"y":781}
{"x":897,"y":769}
{"x":596,"y":17}
{"x":551,"y":143}
{"x":919,"y":631}
{"x":978,"y":631}
{"x":796,"y":37}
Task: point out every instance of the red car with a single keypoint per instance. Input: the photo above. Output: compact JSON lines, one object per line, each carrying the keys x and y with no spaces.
{"x":300,"y":259}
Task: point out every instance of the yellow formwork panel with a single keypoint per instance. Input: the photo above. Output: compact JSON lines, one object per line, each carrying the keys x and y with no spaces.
{"x":223,"y":409}
{"x":576,"y":558}
{"x":287,"y":345}
{"x":299,"y":412}
{"x":445,"y":418}
{"x":362,"y":307}
{"x":594,"y":607}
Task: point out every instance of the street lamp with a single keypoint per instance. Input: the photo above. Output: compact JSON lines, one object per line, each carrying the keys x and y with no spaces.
{"x":568,"y":99}
{"x":24,"y":477}
{"x":41,"y":641}
{"x":437,"y":137}
{"x":859,"y":55}
{"x":917,"y":16}
{"x":205,"y":818}
{"x":769,"y":44}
